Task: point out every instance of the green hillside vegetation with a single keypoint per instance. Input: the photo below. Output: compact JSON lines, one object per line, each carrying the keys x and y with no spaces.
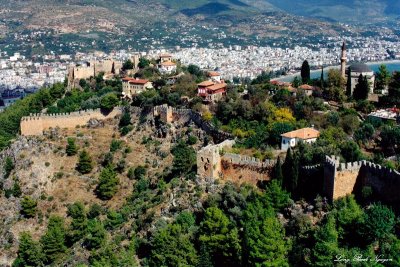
{"x":156,"y":212}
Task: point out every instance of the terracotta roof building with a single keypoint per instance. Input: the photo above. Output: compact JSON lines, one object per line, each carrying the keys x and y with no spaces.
{"x":291,"y":139}
{"x":134,"y":86}
{"x":211,"y":91}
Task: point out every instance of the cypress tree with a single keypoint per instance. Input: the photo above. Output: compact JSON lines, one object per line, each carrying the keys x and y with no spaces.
{"x":305,"y":72}
{"x":278,"y":175}
{"x":290,"y":172}
{"x":113,"y":68}
{"x":348,"y":84}
{"x":85,"y":164}
{"x":362,"y":88}
{"x":322,"y":79}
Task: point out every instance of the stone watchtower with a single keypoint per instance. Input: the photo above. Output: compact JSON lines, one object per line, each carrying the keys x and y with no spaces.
{"x":343,"y":61}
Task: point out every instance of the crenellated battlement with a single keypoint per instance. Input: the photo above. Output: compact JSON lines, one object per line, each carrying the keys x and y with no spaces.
{"x":36,"y":116}
{"x":341,"y":179}
{"x":247,"y":161}
{"x":35,"y":124}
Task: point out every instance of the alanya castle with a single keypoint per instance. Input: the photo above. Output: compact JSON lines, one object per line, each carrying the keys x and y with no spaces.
{"x":215,"y":161}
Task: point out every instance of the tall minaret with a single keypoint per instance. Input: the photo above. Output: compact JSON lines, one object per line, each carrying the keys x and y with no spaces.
{"x":343,"y":61}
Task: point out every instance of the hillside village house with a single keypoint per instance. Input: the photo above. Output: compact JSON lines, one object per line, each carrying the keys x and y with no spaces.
{"x":291,"y":139}
{"x":211,"y":91}
{"x":134,"y":86}
{"x":214,"y":76}
{"x":167,"y":67}
{"x":165,"y":58}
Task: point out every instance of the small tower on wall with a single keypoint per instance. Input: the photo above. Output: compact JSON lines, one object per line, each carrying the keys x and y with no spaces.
{"x":343,"y":61}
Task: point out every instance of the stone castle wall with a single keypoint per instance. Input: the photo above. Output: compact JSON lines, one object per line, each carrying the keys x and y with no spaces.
{"x":212,"y":162}
{"x":169,"y":114}
{"x":35,"y":124}
{"x":341,"y":179}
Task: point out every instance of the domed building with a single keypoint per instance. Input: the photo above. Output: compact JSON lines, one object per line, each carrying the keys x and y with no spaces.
{"x":360,"y":68}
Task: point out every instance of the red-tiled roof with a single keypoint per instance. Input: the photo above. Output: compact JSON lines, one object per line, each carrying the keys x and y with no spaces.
{"x":305,"y":133}
{"x":205,"y":83}
{"x":168,"y":63}
{"x":216,"y":86}
{"x":306,"y":87}
{"x":135,"y":80}
{"x":213,"y":74}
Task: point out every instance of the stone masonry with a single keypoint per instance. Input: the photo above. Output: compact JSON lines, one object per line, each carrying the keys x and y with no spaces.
{"x":213,"y":162}
{"x":35,"y":124}
{"x":341,"y":179}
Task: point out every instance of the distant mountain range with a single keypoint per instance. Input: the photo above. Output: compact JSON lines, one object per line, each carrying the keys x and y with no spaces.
{"x":357,"y":11}
{"x":250,"y":18}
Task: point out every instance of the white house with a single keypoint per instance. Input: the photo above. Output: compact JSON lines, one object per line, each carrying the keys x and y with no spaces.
{"x":214,"y":76}
{"x":167,"y":67}
{"x":291,"y":139}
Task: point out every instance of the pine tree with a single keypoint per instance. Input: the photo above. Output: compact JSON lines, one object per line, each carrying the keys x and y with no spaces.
{"x":305,"y":72}
{"x":204,"y":258}
{"x":85,"y":164}
{"x":78,"y":226}
{"x":276,"y":196}
{"x":171,"y":246}
{"x":28,"y":207}
{"x":348,"y":84}
{"x":16,"y":190}
{"x":266,"y":243}
{"x":108,"y":183}
{"x":8,"y":167}
{"x":96,"y":235}
{"x":29,"y":252}
{"x":217,"y":233}
{"x":326,"y":246}
{"x":71,"y":148}
{"x":53,"y":241}
{"x":125,"y":119}
{"x":382,"y":79}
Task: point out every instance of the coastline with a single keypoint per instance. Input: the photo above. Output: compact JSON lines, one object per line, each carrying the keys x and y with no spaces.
{"x":327,"y":68}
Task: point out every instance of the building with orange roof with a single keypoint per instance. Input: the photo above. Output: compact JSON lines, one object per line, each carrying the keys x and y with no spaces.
{"x":165,"y":57}
{"x":291,"y":139}
{"x":167,"y":67}
{"x":308,"y":89}
{"x":134,"y":86}
{"x":211,"y":91}
{"x":214,"y":76}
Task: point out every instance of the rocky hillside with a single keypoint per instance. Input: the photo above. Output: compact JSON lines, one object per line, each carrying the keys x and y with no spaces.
{"x":44,"y":172}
